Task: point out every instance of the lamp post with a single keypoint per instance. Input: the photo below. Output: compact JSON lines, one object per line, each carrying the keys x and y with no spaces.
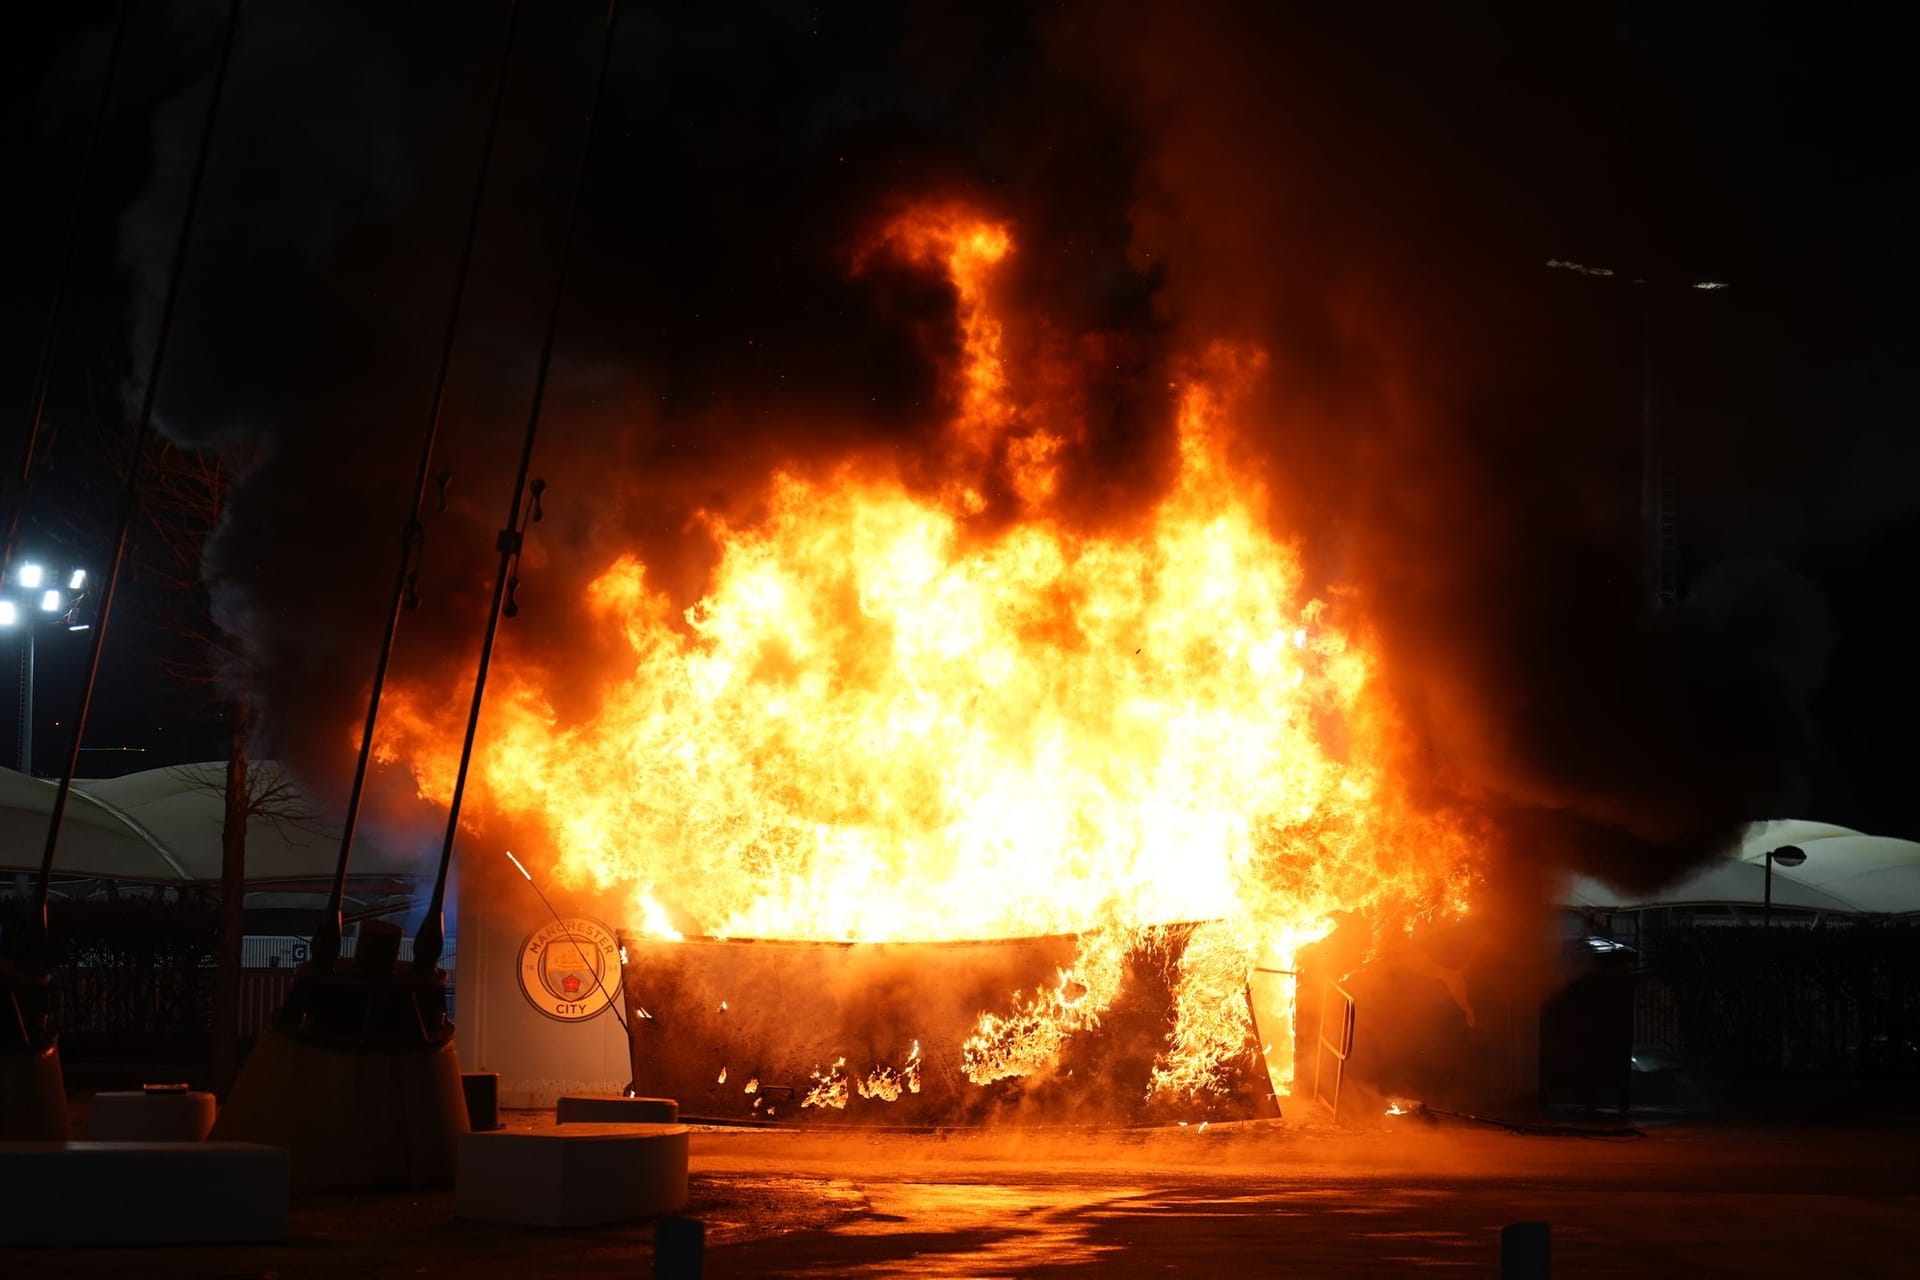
{"x":32,"y":597}
{"x":1660,"y":523}
{"x":1787,"y":855}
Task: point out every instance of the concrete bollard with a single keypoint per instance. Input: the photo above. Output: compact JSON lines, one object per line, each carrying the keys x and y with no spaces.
{"x":1526,"y":1251}
{"x":573,"y":1175}
{"x":571,"y":1109}
{"x":679,"y":1249}
{"x":482,"y":1090}
{"x":157,"y":1113}
{"x":33,"y":1096}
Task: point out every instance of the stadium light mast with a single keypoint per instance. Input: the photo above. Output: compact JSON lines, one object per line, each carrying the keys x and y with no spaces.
{"x":32,"y":1088}
{"x":34,"y":598}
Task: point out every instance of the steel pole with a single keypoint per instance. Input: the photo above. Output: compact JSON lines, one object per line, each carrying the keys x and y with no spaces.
{"x":26,"y":703}
{"x":431,"y":938}
{"x":129,"y":496}
{"x":326,"y":938}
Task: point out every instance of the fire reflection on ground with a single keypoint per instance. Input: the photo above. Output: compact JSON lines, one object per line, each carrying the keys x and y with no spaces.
{"x":1247,"y":1199}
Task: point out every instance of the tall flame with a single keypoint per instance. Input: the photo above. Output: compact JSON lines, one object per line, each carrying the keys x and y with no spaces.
{"x":885,"y":720}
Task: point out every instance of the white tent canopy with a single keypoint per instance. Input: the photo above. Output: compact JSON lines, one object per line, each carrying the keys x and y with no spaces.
{"x":93,"y":839}
{"x":162,"y":826}
{"x":1846,"y":873}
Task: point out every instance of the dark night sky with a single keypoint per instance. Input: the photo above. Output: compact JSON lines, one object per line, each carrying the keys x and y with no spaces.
{"x":1425,"y":158}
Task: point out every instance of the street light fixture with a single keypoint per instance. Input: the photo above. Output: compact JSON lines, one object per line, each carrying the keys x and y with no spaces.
{"x":30,"y":599}
{"x":1787,"y":855}
{"x":1660,"y":549}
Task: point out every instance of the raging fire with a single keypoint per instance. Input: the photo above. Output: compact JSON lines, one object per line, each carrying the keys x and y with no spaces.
{"x":889,"y":718}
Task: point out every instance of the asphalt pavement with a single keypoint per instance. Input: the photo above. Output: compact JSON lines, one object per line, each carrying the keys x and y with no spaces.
{"x":1256,"y":1199}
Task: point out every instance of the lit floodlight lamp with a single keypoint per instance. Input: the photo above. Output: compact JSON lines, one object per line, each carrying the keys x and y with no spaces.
{"x":8,"y":613}
{"x":1711,"y":285}
{"x":78,"y":580}
{"x":51,"y":602}
{"x":81,"y":626}
{"x":31,"y":575}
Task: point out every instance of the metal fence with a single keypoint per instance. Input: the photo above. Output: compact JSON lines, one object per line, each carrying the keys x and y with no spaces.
{"x":290,"y":950}
{"x":1656,"y":1017}
{"x":1780,"y":1002}
{"x":133,"y":979}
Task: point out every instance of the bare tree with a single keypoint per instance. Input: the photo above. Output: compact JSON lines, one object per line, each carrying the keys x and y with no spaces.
{"x":183,"y":504}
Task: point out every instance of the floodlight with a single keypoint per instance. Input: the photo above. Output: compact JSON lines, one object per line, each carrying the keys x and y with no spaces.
{"x":78,"y":580}
{"x":51,"y":601}
{"x":8,"y":614}
{"x":31,"y":575}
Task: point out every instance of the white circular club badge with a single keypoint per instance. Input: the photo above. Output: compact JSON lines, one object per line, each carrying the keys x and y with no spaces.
{"x":570,"y":968}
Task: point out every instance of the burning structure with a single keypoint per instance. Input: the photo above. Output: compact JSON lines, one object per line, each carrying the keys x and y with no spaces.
{"x":1116,"y":555}
{"x":912,"y":712}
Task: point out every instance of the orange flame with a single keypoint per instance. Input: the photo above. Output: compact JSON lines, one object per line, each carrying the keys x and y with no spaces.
{"x":881,"y":722}
{"x":969,"y":250}
{"x":829,"y":1087}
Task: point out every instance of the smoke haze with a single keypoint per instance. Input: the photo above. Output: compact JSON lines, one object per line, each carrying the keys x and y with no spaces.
{"x":1450,"y":431}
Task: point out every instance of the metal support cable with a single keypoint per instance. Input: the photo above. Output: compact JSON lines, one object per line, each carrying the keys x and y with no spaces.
{"x":130,"y":494}
{"x":326,"y":938}
{"x":431,"y":938}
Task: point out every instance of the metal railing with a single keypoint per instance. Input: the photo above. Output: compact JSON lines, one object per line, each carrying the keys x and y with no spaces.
{"x":1341,"y":1048}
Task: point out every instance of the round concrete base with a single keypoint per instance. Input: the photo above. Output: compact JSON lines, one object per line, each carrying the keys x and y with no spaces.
{"x":355,"y":1119}
{"x":572,"y":1109}
{"x":575,"y":1175}
{"x":33,"y":1096}
{"x":138,"y":1116}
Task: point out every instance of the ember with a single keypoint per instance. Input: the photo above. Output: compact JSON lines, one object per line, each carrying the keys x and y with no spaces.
{"x":893,"y":718}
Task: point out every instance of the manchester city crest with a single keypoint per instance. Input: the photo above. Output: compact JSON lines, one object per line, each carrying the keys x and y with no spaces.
{"x":570,"y":968}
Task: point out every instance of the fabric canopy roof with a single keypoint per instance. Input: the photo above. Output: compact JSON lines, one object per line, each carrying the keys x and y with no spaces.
{"x":1845,"y":872}
{"x":93,"y":839}
{"x":162,"y":826}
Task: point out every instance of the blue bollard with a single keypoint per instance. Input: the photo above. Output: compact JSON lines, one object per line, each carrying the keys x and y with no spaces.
{"x":1526,"y":1251}
{"x":679,"y":1249}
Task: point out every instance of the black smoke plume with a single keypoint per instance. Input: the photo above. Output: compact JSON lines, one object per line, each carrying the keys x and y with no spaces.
{"x":1451,"y":430}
